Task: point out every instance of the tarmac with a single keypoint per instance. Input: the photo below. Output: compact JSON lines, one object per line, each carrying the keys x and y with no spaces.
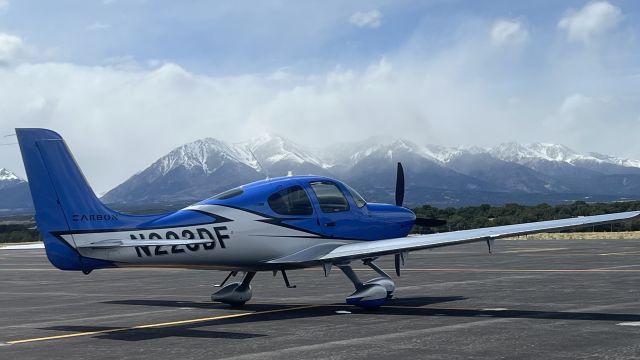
{"x":530,"y":299}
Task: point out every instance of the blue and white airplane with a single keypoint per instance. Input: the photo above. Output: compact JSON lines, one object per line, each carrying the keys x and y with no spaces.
{"x":271,"y":225}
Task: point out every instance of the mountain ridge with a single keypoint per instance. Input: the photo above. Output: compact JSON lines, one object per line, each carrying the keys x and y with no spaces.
{"x":535,"y":168}
{"x":436,"y":175}
{"x":14,"y":192}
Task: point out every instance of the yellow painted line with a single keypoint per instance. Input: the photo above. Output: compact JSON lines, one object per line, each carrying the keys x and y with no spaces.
{"x":531,"y":250}
{"x":157,"y":325}
{"x":61,"y":336}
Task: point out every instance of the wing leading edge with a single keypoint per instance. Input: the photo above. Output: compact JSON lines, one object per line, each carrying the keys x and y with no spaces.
{"x":411,"y":243}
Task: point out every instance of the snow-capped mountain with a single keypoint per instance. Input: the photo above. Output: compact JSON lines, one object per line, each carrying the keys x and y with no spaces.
{"x":615,"y":160}
{"x":372,"y":169}
{"x":434,"y":174}
{"x":437,"y":175}
{"x":523,"y":153}
{"x":195,"y":170}
{"x":6,"y":175}
{"x":447,"y":154}
{"x":271,"y":149}
{"x":279,"y":155}
{"x":527,"y":153}
{"x":200,"y":154}
{"x":8,"y":178}
{"x":205,"y":167}
{"x":349,"y":154}
{"x":14,"y":191}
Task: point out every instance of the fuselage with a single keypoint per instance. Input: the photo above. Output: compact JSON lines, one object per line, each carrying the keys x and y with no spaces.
{"x":254,"y":224}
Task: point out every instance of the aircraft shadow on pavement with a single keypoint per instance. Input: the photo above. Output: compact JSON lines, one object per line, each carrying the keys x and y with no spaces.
{"x":185,"y":331}
{"x":409,"y":301}
{"x":409,"y":306}
{"x":414,"y":306}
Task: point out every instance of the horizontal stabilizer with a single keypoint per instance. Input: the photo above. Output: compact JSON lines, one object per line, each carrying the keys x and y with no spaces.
{"x":108,"y":244}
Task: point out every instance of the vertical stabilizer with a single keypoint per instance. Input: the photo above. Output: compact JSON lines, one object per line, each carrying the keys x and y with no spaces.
{"x":63,"y":200}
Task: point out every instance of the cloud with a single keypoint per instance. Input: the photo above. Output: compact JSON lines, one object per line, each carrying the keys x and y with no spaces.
{"x":120,"y":117}
{"x":508,"y":32}
{"x":581,"y":118}
{"x":4,"y":5}
{"x":11,"y":47}
{"x":574,"y":103}
{"x":370,"y":19}
{"x":109,"y":113}
{"x":592,"y":20}
{"x":98,"y":26}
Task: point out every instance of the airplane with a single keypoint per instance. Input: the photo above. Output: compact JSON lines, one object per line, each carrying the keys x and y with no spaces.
{"x":272,"y":225}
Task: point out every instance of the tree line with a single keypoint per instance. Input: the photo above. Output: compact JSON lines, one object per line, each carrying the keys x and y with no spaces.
{"x":471,"y":217}
{"x":462,"y":218}
{"x":18,"y":233}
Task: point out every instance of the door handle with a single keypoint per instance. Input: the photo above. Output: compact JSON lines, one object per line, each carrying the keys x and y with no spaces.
{"x":330,"y":224}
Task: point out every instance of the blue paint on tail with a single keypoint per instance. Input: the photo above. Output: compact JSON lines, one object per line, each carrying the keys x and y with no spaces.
{"x":64,"y":201}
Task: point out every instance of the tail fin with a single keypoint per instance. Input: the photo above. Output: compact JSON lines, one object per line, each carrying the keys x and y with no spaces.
{"x":64,"y":201}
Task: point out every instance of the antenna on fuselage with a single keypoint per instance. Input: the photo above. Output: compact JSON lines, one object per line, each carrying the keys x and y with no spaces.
{"x":7,"y":144}
{"x":260,"y":164}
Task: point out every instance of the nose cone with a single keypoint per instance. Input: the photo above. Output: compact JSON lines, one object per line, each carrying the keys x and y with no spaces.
{"x":407,"y":217}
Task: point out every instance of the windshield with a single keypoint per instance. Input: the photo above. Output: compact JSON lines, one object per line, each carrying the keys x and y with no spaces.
{"x":359,"y":200}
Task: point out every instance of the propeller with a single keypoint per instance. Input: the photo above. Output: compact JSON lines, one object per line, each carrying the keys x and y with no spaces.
{"x":430,"y":222}
{"x":400,"y":185}
{"x":400,"y":199}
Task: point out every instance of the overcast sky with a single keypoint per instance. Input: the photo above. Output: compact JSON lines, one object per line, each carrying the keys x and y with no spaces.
{"x":125,"y":81}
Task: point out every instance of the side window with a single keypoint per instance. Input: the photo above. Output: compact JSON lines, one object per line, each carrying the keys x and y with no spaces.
{"x":291,"y":201}
{"x":331,"y":199}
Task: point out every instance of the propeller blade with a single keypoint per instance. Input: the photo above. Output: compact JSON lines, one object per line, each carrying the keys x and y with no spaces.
{"x":430,"y":222}
{"x":400,"y":185}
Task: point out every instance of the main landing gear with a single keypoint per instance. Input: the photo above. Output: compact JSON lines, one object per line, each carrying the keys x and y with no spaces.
{"x":369,"y":294}
{"x":373,"y":293}
{"x":237,"y":293}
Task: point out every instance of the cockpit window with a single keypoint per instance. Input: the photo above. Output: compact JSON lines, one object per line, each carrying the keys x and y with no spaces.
{"x":228,"y":194}
{"x":359,"y":200}
{"x":291,"y":201}
{"x":331,"y":199}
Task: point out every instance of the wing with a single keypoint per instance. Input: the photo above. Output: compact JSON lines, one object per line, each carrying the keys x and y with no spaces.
{"x":366,"y":249}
